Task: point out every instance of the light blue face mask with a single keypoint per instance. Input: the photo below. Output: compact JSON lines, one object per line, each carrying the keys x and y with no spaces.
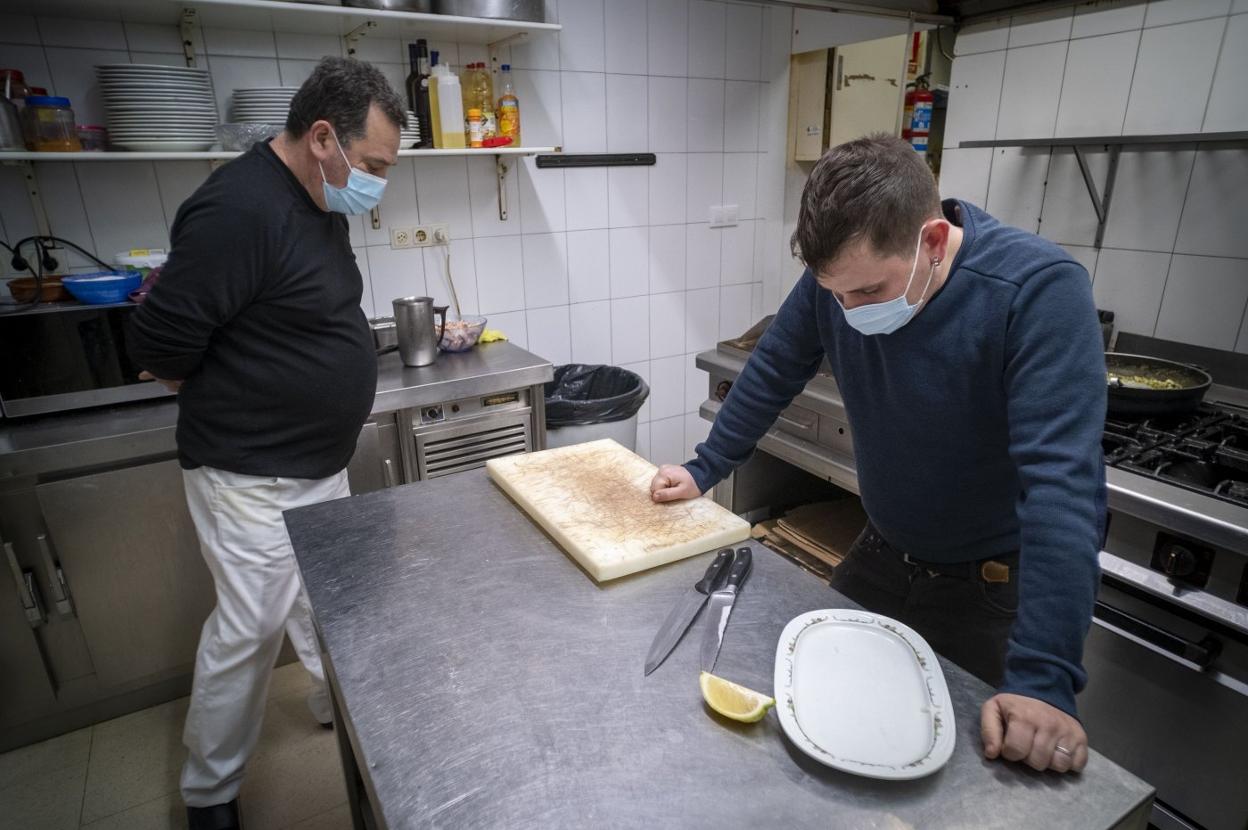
{"x":361,"y":194}
{"x":887,"y":317}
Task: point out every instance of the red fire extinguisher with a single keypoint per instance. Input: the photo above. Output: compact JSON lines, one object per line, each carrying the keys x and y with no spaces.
{"x":918,"y":116}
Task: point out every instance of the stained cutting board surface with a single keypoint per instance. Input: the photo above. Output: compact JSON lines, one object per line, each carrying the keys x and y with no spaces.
{"x":594,"y":499}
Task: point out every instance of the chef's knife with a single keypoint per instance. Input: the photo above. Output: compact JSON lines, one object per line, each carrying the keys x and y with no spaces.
{"x":684,"y":612}
{"x":720,"y":606}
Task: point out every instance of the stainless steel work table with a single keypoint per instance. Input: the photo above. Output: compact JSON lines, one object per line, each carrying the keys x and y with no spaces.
{"x":481,"y":679}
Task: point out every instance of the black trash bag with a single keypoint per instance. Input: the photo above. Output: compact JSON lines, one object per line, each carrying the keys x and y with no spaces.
{"x":581,"y":395}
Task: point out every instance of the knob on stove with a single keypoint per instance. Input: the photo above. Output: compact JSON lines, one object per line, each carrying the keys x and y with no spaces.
{"x":1179,"y":561}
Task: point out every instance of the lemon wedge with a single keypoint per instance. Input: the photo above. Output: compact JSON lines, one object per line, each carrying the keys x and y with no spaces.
{"x":733,"y":700}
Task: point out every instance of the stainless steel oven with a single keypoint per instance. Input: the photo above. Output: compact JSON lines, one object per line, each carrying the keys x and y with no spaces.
{"x":62,"y":356}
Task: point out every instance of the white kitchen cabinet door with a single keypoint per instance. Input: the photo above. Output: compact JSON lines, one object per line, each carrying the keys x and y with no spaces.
{"x":865,"y":89}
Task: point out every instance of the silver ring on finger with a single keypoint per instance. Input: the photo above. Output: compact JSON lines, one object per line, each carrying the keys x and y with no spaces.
{"x":1063,"y":750}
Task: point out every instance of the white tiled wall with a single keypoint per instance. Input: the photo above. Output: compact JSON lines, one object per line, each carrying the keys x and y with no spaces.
{"x":1174,"y":262}
{"x":596,"y":265}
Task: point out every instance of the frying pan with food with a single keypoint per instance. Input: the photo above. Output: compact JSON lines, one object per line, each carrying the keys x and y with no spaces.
{"x":1140,"y":385}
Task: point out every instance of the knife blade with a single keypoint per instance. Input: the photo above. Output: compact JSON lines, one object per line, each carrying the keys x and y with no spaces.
{"x":720,"y":607}
{"x":686,"y":610}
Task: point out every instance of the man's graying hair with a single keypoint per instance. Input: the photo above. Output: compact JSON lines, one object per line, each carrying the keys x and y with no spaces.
{"x":340,"y":91}
{"x":875,"y":188}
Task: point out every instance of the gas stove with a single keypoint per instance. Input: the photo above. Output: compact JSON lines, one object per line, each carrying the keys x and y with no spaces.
{"x":1205,"y":451}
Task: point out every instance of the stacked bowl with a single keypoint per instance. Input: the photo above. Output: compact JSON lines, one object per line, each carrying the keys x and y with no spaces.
{"x":155,"y":108}
{"x":410,"y":136}
{"x":262,"y":105}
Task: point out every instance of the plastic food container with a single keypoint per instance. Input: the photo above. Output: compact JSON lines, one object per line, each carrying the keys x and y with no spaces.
{"x":241,"y":137}
{"x":51,"y":290}
{"x":142,"y":260}
{"x":48,"y":123}
{"x":462,"y":335}
{"x":93,"y":138}
{"x":102,"y":287}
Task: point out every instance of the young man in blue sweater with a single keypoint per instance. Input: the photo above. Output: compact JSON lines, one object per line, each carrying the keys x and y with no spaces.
{"x":970,"y":361}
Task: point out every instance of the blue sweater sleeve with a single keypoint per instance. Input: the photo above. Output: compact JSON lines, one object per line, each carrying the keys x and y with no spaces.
{"x":786,"y":357}
{"x":1056,"y":394}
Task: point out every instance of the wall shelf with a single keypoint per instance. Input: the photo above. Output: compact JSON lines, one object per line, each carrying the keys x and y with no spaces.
{"x":1114,"y":144}
{"x":226,"y":155}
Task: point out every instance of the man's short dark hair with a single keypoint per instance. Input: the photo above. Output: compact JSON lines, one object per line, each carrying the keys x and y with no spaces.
{"x":340,"y":91}
{"x":875,"y":188}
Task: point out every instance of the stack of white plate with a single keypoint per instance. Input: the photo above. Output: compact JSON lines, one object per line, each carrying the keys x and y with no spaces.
{"x":263,"y":105}
{"x":410,"y":137}
{"x":154,"y":108}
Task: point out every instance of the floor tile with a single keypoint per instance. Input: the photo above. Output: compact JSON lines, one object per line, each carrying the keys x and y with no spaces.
{"x":49,"y":802}
{"x":134,"y":759}
{"x":290,"y":679}
{"x":164,"y":813}
{"x":29,"y":763}
{"x":338,"y":818}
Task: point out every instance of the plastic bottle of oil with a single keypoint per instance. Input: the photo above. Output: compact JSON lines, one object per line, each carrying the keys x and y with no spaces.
{"x":483,"y":99}
{"x":449,"y":102}
{"x":508,"y":109}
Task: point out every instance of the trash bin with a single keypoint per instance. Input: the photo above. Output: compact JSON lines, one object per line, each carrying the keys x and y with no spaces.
{"x":587,"y":403}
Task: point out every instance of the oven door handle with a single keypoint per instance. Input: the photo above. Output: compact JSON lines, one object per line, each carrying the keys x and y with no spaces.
{"x":1202,"y":653}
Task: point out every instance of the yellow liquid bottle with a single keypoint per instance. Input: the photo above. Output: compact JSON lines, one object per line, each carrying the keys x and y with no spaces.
{"x":508,"y":112}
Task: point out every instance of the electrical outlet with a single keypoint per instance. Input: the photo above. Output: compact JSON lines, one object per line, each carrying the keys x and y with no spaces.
{"x":441,"y":233}
{"x":421,"y":237}
{"x":400,"y":237}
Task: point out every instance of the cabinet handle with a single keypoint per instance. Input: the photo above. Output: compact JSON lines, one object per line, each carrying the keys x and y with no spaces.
{"x":27,"y":590}
{"x":387,"y":472}
{"x":56,"y":578}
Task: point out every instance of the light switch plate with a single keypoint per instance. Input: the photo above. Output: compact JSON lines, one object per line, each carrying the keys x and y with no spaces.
{"x":724,"y":216}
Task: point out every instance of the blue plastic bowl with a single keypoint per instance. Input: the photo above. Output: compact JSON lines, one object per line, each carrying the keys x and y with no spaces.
{"x":103,"y":286}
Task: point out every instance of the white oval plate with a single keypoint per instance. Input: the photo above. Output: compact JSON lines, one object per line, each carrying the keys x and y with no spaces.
{"x":165,"y":146}
{"x":863,"y":693}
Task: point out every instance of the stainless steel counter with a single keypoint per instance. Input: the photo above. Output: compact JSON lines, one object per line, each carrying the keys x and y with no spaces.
{"x":114,"y":435}
{"x":483,"y":680}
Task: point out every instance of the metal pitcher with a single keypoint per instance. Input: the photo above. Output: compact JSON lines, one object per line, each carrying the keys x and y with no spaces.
{"x":10,"y":124}
{"x":418,"y":336}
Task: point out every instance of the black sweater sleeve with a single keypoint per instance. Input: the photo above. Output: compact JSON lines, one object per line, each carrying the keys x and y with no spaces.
{"x":220,"y":255}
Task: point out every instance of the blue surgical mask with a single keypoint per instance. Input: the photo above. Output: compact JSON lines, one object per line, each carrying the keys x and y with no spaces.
{"x":361,"y":194}
{"x":887,"y":317}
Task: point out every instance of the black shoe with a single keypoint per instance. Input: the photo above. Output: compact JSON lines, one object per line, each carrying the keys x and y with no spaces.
{"x":329,"y":726}
{"x":216,"y":817}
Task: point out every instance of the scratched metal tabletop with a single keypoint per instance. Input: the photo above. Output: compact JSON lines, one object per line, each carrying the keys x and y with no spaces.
{"x":487,"y":681}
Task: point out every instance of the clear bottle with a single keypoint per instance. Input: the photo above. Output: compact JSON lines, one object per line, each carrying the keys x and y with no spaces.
{"x":450,"y":109}
{"x":435,"y":116}
{"x":508,"y":109}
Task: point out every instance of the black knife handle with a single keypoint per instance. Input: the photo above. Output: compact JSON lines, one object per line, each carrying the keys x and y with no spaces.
{"x":708,"y":582}
{"x":741,"y":564}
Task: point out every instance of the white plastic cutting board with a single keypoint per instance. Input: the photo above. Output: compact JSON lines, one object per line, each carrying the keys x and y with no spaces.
{"x":594,"y":499}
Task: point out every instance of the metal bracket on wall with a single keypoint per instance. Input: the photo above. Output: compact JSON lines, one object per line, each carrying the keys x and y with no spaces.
{"x":351,"y":38}
{"x":1099,"y":203}
{"x":32,"y":190}
{"x":500,"y":170}
{"x":187,"y":25}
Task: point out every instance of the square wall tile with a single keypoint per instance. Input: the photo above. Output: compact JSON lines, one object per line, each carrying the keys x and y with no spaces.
{"x":630,"y":330}
{"x":247,"y":43}
{"x":744,"y":42}
{"x":585,"y":197}
{"x":591,"y":332}
{"x":73,"y":76}
{"x":1016,"y":188}
{"x":668,"y":183}
{"x":989,"y":36}
{"x":1213,"y":217}
{"x":1130,"y":284}
{"x":398,"y":206}
{"x":667,"y":258}
{"x":589,"y":270}
{"x":463,"y":276}
{"x":706,"y":39}
{"x":964,"y":173}
{"x":630,"y":262}
{"x":1032,"y":89}
{"x":1204,"y":301}
{"x":741,"y":184}
{"x":1165,"y":12}
{"x":545,"y":270}
{"x":667,"y":441}
{"x":705,"y":116}
{"x":696,"y":431}
{"x":1241,"y":345}
{"x":626,"y":37}
{"x":500,"y":274}
{"x":1107,"y":17}
{"x":628,"y":196}
{"x":550,"y":334}
{"x":82,"y":34}
{"x":584,"y":112}
{"x":1148,"y":197}
{"x":667,"y":329}
{"x":1085,"y":256}
{"x":177,"y":180}
{"x":1046,"y":26}
{"x":1068,"y":215}
{"x":706,"y":185}
{"x":668,"y":42}
{"x":1228,"y":106}
{"x":539,"y":51}
{"x":541,"y":197}
{"x":67,"y":216}
{"x":34,"y":63}
{"x":627,"y":115}
{"x":381,"y":50}
{"x":442,"y":194}
{"x":643,"y":439}
{"x":156,"y":37}
{"x":701,"y":319}
{"x":20,"y":28}
{"x":974,"y":98}
{"x":583,"y":37}
{"x":1096,"y":85}
{"x":308,"y":46}
{"x":742,"y":100}
{"x":394,"y":274}
{"x":734,"y":310}
{"x":702,"y":252}
{"x":137,"y":221}
{"x":1173,"y":77}
{"x":295,"y":72}
{"x":737,"y":254}
{"x":642,"y":370}
{"x":513,"y":324}
{"x":483,"y":198}
{"x":697,"y":382}
{"x":541,"y":107}
{"x":667,"y":106}
{"x":667,"y":386}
